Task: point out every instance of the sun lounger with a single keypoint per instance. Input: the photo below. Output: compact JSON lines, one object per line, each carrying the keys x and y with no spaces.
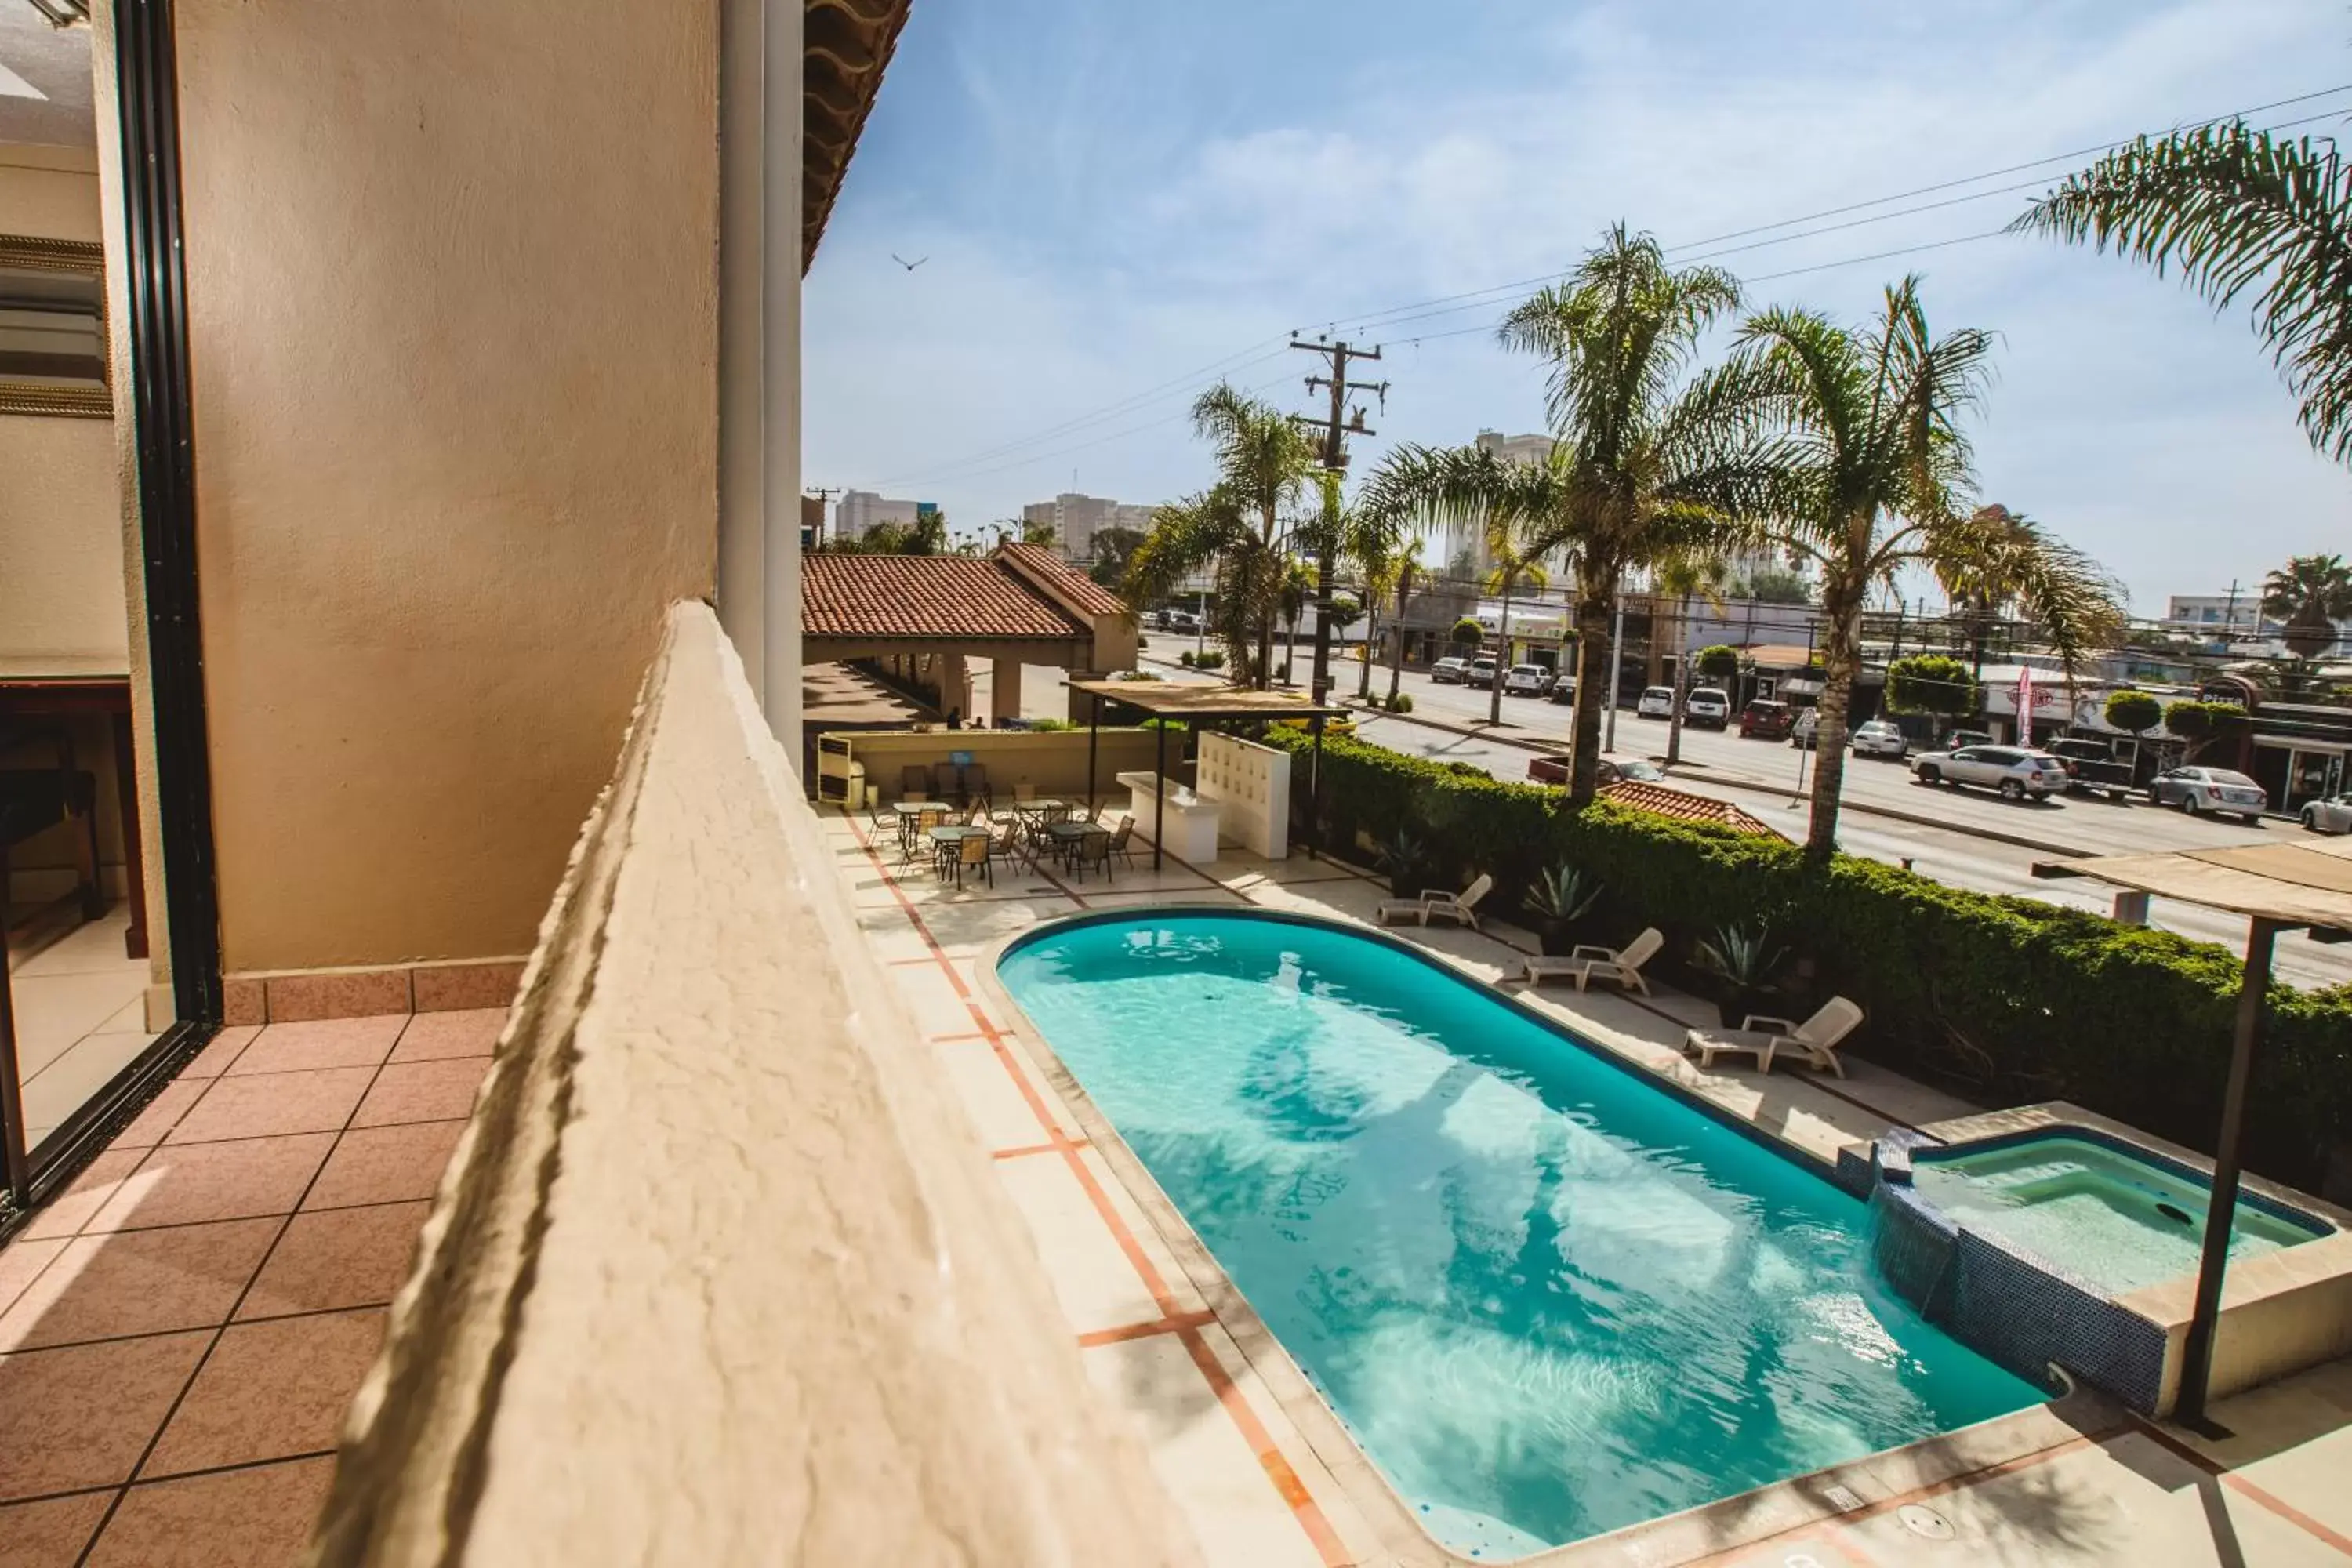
{"x":1435,"y":903}
{"x":1764,"y":1037}
{"x":1593,"y":962}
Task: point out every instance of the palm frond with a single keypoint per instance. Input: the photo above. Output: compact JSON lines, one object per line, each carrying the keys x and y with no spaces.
{"x":2236,"y":210}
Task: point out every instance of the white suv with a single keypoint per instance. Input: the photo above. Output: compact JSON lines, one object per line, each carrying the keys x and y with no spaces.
{"x":1525,"y":680}
{"x":1657,"y":702}
{"x":2016,"y":773}
{"x":1707,"y":708}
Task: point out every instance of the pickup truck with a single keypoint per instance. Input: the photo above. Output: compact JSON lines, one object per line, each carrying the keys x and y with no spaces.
{"x":2093,"y":768}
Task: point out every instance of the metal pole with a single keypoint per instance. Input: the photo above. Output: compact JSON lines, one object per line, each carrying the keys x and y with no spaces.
{"x":11,"y":1092}
{"x":2197,"y":1355}
{"x":1315,"y":788}
{"x":1159,"y":791}
{"x":1094,"y":740}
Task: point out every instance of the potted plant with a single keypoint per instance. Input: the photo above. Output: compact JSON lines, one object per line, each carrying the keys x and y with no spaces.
{"x":1406,"y":860}
{"x":1560,"y":899}
{"x":1744,"y":963}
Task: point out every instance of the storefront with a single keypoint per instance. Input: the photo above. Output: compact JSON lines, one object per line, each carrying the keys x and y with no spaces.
{"x":2297,"y":770}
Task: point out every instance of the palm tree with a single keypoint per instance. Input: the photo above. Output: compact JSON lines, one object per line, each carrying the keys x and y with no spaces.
{"x":1983,"y":588}
{"x":1297,"y":591}
{"x":1875,"y":478}
{"x":1263,"y":462}
{"x":2310,"y":593}
{"x":1642,"y":464}
{"x":1516,"y":566}
{"x":1408,"y":569}
{"x":1684,"y":577}
{"x":2237,"y":209}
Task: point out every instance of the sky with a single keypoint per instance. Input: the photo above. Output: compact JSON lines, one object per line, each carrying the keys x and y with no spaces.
{"x":1120,"y":203}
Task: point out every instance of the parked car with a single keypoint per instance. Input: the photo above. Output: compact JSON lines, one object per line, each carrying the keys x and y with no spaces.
{"x":2093,"y":765}
{"x":2195,"y":790}
{"x":1525,"y":680}
{"x":1655,"y":702}
{"x":1767,"y":720}
{"x":2331,"y":816}
{"x":1448,"y":671}
{"x":2016,"y":773}
{"x":1880,"y":738}
{"x":1555,"y":769}
{"x":1481,"y":673}
{"x":1563,"y":689}
{"x":1708,"y":708}
{"x":1958,"y":738}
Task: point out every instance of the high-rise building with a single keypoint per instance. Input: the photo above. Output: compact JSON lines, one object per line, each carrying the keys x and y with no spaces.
{"x":1518,"y":448}
{"x":859,"y":510}
{"x":1077,"y":519}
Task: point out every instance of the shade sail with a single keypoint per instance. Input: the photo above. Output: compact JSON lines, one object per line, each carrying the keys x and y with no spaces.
{"x":1174,"y":699}
{"x":2307,"y":884}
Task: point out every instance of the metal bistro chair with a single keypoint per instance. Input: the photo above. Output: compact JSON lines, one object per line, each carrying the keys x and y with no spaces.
{"x":920,"y":835}
{"x":947,"y":782}
{"x":975,"y":786}
{"x":914,"y":782}
{"x":1119,"y":843}
{"x":1013,"y":843}
{"x":973,"y":851}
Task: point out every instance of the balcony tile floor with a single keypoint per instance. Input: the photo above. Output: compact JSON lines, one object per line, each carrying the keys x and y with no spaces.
{"x":182,"y":1329}
{"x":1255,"y":1490}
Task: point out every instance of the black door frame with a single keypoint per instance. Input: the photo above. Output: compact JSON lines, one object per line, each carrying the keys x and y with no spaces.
{"x":147,"y":99}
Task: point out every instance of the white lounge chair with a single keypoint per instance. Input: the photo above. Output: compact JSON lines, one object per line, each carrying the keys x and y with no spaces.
{"x":1764,"y":1036}
{"x":1593,"y":962}
{"x":1435,"y":903}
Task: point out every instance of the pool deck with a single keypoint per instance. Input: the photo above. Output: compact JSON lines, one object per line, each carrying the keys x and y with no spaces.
{"x":1266,"y":1477}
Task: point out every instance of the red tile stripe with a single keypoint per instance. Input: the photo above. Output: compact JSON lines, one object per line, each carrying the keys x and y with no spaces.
{"x":2245,"y":1488}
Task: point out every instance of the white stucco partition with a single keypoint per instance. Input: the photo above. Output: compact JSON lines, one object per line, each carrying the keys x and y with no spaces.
{"x":1252,"y":783}
{"x":716,"y":1275}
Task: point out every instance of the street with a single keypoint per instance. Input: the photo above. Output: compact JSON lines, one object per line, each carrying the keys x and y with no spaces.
{"x":1951,"y":845}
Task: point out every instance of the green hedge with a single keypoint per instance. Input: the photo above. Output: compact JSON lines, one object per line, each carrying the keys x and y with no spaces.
{"x":2021,"y":1000}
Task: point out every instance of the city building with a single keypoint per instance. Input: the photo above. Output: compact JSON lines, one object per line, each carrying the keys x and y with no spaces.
{"x":1076,"y":520}
{"x":2217,"y":616}
{"x":859,"y":511}
{"x":1516,"y":448}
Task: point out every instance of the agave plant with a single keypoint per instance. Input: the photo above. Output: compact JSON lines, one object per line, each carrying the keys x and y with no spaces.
{"x":1563,"y":893}
{"x":1403,"y":858}
{"x":1748,"y":959}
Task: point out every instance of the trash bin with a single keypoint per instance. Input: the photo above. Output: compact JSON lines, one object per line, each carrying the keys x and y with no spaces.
{"x":853,"y":796}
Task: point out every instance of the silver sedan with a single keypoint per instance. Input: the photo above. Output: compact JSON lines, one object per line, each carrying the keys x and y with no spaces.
{"x":2199,"y":790}
{"x":2331,"y":816}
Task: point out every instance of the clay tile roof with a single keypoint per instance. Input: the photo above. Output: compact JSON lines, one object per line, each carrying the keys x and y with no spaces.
{"x":924,"y":596}
{"x":1685,"y":806}
{"x":1080,"y":589}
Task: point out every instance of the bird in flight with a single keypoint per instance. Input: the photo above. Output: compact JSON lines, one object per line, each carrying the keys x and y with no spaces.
{"x":909,"y":266}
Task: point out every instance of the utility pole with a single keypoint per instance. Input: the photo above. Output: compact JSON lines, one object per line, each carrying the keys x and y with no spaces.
{"x":824,"y":494}
{"x":1335,"y":462}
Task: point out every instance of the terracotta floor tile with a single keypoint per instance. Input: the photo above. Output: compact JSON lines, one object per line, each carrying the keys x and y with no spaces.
{"x":81,"y":1416}
{"x":258,"y":1518}
{"x":49,"y":1534}
{"x":269,"y":1391}
{"x":21,"y":1260}
{"x":385,"y":1164}
{"x":65,"y":1214}
{"x":220,"y":1051}
{"x":325,"y":1043}
{"x":188,"y":1183}
{"x":317,"y":1101}
{"x":334,"y":1258}
{"x":423,"y":1091}
{"x":138,"y":1282}
{"x":432,"y":1037}
{"x":171,"y":1103}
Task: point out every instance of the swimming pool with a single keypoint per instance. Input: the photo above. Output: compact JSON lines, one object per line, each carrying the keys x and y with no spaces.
{"x":1547,"y":1296}
{"x":2105,"y":1217}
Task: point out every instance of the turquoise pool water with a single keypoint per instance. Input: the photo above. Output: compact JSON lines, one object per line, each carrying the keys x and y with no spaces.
{"x":1549,"y":1298}
{"x":2102,"y":1217}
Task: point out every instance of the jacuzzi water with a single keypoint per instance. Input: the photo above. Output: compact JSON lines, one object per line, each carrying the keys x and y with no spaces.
{"x":2109,"y":1220}
{"x":1549,"y":1297}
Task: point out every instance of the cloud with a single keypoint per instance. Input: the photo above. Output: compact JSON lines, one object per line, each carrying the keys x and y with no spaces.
{"x":1114,"y":201}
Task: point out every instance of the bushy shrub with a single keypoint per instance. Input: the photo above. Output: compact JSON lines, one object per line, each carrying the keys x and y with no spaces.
{"x":2197,"y":721}
{"x":1401,"y":703}
{"x":2021,"y":1000}
{"x":2135,"y":713}
{"x":1720,"y":661}
{"x":1207,"y":659}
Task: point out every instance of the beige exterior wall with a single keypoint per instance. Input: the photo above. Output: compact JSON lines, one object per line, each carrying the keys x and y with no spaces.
{"x":452,"y":282}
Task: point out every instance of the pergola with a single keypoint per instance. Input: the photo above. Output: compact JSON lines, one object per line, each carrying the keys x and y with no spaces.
{"x":2278,"y":887}
{"x":1196,"y":705}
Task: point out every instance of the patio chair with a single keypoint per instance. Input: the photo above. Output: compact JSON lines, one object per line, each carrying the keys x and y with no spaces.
{"x":1436,"y":903}
{"x":975,"y":784}
{"x":1118,"y":842}
{"x":914,"y":782}
{"x":1025,"y":792}
{"x":920,"y":833}
{"x":1093,"y":850}
{"x":1764,"y":1036}
{"x":1591,"y":962}
{"x":1013,"y":843}
{"x":973,"y":851}
{"x":945,"y":783}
